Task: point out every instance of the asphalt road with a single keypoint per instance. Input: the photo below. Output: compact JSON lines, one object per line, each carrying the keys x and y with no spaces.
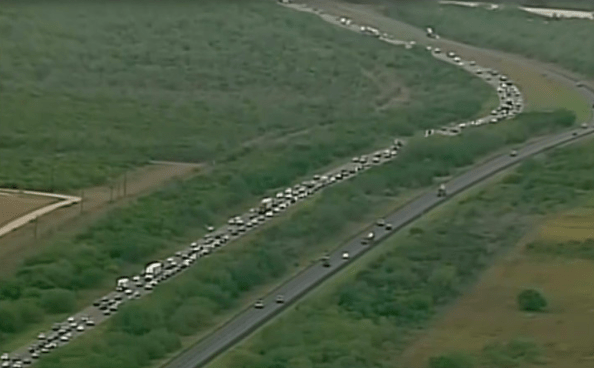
{"x":251,"y":318}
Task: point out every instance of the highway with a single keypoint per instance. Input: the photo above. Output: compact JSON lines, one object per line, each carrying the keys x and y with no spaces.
{"x":251,"y":318}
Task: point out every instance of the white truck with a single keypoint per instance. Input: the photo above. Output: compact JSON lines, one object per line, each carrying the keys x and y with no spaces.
{"x":265,"y":206}
{"x":122,"y":284}
{"x":153,"y":270}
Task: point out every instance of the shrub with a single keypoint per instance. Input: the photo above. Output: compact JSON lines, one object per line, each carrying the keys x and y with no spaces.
{"x":531,"y":300}
{"x":451,"y":360}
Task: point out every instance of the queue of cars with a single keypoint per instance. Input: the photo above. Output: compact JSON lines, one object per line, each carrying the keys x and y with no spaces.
{"x":511,"y":102}
{"x":134,"y":287}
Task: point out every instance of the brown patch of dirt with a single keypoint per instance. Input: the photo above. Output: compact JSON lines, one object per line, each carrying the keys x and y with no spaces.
{"x":16,"y":205}
{"x":96,"y":201}
{"x":489,"y":313}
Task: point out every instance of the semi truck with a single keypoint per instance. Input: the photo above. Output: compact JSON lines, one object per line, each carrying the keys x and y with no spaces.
{"x":265,"y":206}
{"x":153,"y":270}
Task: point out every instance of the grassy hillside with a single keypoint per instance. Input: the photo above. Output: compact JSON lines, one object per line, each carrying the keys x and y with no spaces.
{"x":91,"y":89}
{"x":568,"y":43}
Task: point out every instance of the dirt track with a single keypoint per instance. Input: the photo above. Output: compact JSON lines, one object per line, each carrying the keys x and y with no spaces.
{"x":20,"y":243}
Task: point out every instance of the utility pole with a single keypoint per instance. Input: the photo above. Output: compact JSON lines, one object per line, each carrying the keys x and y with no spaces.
{"x":52,"y":176}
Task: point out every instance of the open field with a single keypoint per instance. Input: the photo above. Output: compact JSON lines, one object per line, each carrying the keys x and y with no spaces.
{"x":540,"y":91}
{"x":489,"y":313}
{"x":14,"y":205}
{"x":89,"y":90}
{"x":377,"y":316}
{"x":567,"y":43}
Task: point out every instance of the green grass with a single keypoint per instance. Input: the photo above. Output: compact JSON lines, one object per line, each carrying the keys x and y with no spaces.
{"x":567,"y":43}
{"x":91,"y":89}
{"x":369,"y":316}
{"x":190,"y":304}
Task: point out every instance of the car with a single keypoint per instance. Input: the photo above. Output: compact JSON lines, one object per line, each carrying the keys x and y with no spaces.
{"x":388,"y":226}
{"x":280,"y":299}
{"x":210,"y":228}
{"x":90,"y":322}
{"x":513,"y":153}
{"x":579,"y":84}
{"x":80,"y":328}
{"x":584,"y":126}
{"x":441,"y":191}
{"x":437,"y":50}
{"x":574,"y":133}
{"x":41,"y":336}
{"x":259,"y":304}
{"x":345,"y":255}
{"x":4,"y":357}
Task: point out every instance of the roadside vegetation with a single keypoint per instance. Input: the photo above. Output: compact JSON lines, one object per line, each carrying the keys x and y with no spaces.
{"x":88,"y":90}
{"x":517,"y":352}
{"x":216,"y":285}
{"x":368,"y":317}
{"x":568,"y":43}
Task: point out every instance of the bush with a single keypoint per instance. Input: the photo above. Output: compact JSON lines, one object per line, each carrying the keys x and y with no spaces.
{"x":451,"y":360}
{"x":56,"y":301}
{"x":531,"y":300}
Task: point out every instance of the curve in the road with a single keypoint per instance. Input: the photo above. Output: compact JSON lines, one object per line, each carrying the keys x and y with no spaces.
{"x":251,"y":318}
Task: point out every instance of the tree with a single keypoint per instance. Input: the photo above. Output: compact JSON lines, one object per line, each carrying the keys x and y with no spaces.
{"x":531,"y":300}
{"x":451,"y":360}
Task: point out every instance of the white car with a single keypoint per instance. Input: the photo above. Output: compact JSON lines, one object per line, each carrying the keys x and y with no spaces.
{"x":345,"y":255}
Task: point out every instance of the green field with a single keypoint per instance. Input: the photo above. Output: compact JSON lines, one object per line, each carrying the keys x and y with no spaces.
{"x":191,"y":303}
{"x":568,"y":43}
{"x":375,"y":311}
{"x":90,"y":89}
